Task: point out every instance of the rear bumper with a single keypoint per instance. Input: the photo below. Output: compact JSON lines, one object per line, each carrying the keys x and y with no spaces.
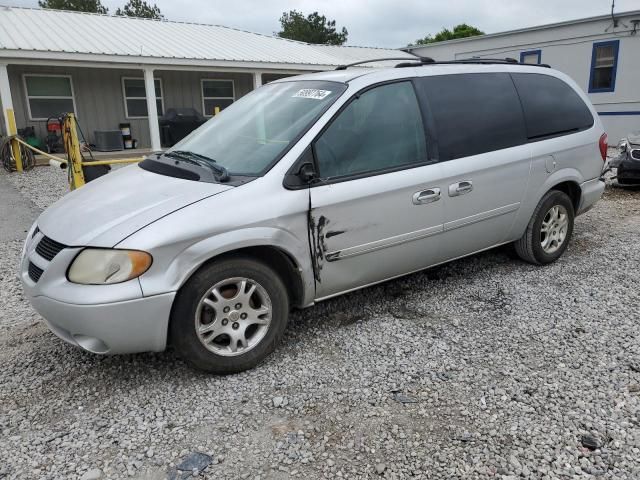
{"x":130,"y":326}
{"x":591,"y":193}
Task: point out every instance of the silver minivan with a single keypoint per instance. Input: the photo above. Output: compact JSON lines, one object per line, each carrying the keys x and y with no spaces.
{"x":308,"y":188}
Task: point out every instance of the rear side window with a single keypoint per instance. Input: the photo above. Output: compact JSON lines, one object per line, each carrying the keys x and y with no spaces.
{"x":551,"y":107}
{"x":380,"y":129}
{"x":473,"y":113}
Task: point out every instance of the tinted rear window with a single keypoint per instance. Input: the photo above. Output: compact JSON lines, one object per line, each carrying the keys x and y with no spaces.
{"x":551,"y":107}
{"x":473,"y":113}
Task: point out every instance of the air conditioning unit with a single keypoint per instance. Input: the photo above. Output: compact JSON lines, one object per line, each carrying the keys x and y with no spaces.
{"x":108,"y":140}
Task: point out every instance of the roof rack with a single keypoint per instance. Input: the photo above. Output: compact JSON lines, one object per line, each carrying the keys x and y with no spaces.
{"x":420,"y":60}
{"x":425,"y":61}
{"x":473,"y":61}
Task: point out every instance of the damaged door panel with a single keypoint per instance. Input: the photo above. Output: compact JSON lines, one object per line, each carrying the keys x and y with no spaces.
{"x":366,"y":230}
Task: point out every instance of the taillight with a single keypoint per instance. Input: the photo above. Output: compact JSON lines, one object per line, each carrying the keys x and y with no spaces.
{"x":603,"y":146}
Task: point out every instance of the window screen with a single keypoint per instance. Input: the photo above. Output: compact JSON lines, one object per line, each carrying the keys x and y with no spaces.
{"x":473,"y":113}
{"x":216,"y":93}
{"x":551,"y":107}
{"x":48,"y":96}
{"x":380,"y":129}
{"x":135,"y":98}
{"x":604,"y":59}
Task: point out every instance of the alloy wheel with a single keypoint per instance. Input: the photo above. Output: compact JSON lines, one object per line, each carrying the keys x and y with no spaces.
{"x":233,"y":316}
{"x":553,"y":231}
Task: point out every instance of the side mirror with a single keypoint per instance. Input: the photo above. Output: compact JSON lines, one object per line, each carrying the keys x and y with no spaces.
{"x":301,"y":173}
{"x":307,"y":172}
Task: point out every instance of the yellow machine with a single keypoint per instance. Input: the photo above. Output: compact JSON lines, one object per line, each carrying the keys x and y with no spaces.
{"x":75,"y":161}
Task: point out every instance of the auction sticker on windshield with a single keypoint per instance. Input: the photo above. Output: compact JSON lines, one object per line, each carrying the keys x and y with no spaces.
{"x":313,"y":93}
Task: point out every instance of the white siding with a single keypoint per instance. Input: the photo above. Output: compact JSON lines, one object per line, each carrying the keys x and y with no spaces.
{"x":100,"y":100}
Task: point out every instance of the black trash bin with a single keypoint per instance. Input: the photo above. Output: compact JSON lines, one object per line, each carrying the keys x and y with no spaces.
{"x":177,"y":123}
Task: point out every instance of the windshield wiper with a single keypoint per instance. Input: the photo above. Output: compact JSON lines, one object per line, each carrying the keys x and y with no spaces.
{"x":220,"y":172}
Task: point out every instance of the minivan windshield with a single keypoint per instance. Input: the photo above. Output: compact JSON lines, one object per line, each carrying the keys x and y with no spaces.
{"x":251,"y":134}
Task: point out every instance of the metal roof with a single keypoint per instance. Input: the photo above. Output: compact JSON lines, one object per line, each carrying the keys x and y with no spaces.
{"x":62,"y":35}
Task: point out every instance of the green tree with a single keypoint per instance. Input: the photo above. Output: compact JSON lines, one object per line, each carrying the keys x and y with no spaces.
{"x":314,"y":28}
{"x":140,"y":9}
{"x":93,"y":6}
{"x":459,"y":31}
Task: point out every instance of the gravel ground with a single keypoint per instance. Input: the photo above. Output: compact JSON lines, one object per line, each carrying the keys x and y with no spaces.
{"x":483,"y":368}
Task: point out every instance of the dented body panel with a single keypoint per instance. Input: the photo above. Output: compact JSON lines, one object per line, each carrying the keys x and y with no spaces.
{"x":368,"y":230}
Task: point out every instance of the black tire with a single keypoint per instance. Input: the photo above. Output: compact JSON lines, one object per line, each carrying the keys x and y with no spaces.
{"x":529,"y":247}
{"x":182,"y":328}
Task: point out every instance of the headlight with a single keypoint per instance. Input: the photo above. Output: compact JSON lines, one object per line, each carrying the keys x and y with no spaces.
{"x":622,"y":146}
{"x":98,"y":266}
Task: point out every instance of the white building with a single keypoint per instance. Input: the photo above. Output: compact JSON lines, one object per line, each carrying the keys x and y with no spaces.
{"x":602,"y":54}
{"x":110,"y":70}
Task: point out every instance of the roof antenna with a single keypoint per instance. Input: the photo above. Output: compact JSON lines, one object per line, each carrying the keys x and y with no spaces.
{"x":614,"y":20}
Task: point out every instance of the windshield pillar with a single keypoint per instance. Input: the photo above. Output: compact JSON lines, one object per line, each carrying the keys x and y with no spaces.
{"x":152,"y":109}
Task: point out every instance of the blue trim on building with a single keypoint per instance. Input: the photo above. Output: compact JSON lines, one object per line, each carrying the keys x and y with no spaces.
{"x":618,"y":114}
{"x":616,"y":48}
{"x":531,"y":52}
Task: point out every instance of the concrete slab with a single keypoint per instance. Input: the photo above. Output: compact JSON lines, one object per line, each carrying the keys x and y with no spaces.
{"x":17,"y":213}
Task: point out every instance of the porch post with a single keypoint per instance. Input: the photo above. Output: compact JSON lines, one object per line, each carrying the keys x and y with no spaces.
{"x":257,"y":80}
{"x":152,"y":109}
{"x":5,"y":96}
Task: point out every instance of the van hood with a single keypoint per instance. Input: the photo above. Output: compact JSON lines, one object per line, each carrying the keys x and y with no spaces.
{"x":109,"y":209}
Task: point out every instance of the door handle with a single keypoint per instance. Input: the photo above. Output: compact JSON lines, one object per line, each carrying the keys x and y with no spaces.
{"x":426,"y":196}
{"x":460,"y":188}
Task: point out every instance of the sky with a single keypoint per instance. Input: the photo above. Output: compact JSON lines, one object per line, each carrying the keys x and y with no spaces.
{"x":380,"y":23}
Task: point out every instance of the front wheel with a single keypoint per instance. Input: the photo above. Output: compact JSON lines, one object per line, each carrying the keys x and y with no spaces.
{"x":229,"y":316}
{"x":548,"y":231}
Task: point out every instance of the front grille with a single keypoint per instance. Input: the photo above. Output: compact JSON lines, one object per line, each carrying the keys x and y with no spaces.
{"x":35,"y":272}
{"x":48,"y":248}
{"x":635,"y":154}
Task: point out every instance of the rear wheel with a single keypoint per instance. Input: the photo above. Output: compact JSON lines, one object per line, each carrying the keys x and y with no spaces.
{"x":229,"y":316}
{"x":549,"y":229}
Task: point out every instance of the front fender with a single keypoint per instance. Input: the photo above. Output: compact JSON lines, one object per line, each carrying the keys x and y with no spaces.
{"x":172,"y":273}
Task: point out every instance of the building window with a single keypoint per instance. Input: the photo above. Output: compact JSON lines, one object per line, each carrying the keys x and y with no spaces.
{"x":135,"y":97}
{"x":216,"y":93}
{"x":604,"y":63}
{"x":533,"y":57}
{"x":48,"y":96}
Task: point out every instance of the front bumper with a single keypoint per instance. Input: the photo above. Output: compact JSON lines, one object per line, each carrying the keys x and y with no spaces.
{"x":628,"y":172}
{"x":130,"y":326}
{"x":627,"y":165}
{"x":105,"y":319}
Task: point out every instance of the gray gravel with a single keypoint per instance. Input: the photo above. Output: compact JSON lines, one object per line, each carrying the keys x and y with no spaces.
{"x":483,"y":368}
